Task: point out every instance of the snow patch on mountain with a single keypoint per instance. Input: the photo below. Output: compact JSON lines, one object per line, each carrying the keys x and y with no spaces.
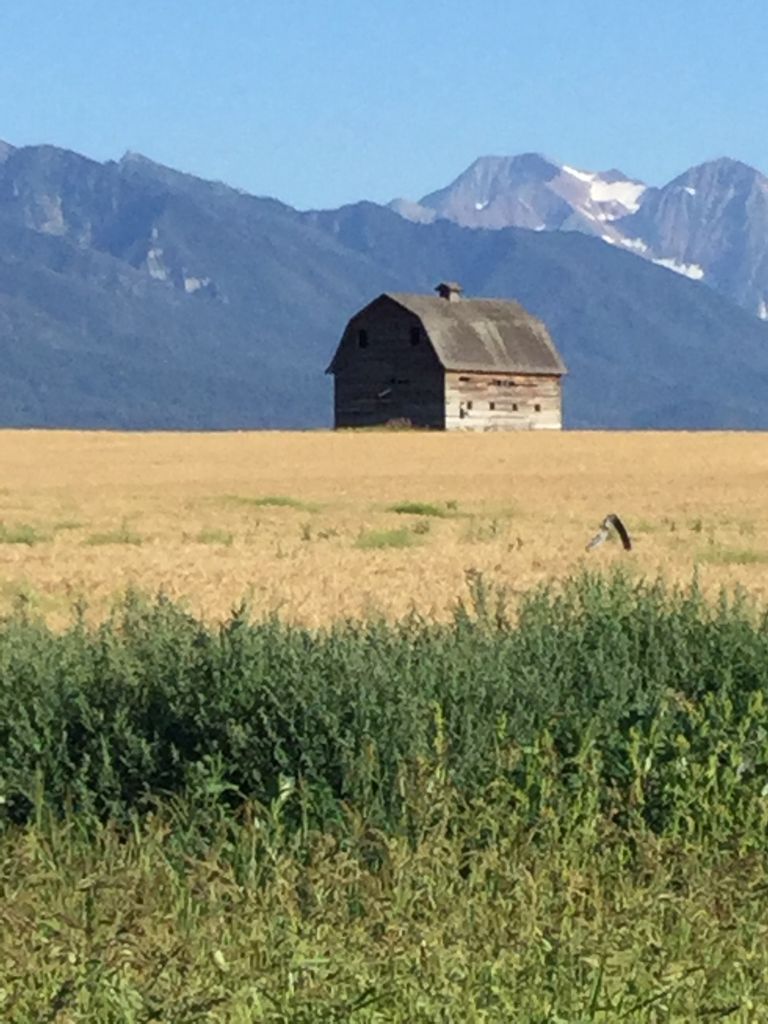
{"x":195,"y":284}
{"x":604,"y":191}
{"x":633,"y":244}
{"x":636,"y":244}
{"x":581,"y":175}
{"x":626,"y":193}
{"x":155,"y":265}
{"x":692,"y":270}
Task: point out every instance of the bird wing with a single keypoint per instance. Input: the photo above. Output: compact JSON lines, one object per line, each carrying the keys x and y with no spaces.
{"x":598,"y":539}
{"x":621,"y":529}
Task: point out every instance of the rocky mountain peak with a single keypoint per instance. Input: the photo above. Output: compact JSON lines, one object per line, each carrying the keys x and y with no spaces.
{"x":520,"y":168}
{"x":709,"y":223}
{"x":719,"y":175}
{"x":531,"y":191}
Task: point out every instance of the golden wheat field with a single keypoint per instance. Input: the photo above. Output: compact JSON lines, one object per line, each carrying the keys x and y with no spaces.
{"x":304,"y":524}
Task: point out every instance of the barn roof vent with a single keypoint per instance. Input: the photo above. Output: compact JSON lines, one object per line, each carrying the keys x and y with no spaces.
{"x":449,"y":290}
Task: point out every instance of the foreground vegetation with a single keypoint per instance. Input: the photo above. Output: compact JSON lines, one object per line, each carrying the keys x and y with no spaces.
{"x":556,"y":816}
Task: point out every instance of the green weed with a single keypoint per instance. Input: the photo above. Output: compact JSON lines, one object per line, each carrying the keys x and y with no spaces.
{"x":718,"y":555}
{"x":423,"y":508}
{"x":270,"y":501}
{"x":121,"y":535}
{"x":22,"y":533}
{"x":370,"y":540}
{"x":215,"y":535}
{"x":64,"y":525}
{"x":21,"y":594}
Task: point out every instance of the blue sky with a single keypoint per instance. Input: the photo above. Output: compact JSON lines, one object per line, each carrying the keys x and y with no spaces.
{"x":325,"y":103}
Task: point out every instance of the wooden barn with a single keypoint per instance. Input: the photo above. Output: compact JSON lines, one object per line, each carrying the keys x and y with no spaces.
{"x":448,"y":363}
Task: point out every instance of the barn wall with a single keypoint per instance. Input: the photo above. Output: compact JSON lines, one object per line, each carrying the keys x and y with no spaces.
{"x":484,"y":401}
{"x":391,"y":378}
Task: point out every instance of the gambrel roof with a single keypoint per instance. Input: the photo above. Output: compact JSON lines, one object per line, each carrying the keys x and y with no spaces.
{"x":482,"y":335}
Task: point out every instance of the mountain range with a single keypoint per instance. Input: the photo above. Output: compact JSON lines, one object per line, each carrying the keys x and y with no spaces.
{"x":135,"y":296}
{"x":709,"y":224}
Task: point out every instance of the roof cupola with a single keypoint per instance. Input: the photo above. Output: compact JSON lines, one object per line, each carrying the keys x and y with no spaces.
{"x":449,"y":290}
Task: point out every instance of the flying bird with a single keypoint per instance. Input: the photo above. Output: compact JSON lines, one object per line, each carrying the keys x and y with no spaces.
{"x":611,"y":523}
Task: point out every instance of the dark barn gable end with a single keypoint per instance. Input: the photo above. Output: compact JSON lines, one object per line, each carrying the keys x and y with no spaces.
{"x":447,"y":363}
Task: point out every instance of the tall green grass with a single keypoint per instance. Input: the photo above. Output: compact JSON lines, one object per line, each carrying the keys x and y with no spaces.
{"x":22,"y":533}
{"x":476,"y":921}
{"x":554,"y":816}
{"x":270,"y":501}
{"x":373,"y":540}
{"x":659,"y":693}
{"x":424,"y":508}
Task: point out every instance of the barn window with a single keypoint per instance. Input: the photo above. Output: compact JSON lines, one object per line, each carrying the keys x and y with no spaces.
{"x":362,"y":339}
{"x":469,"y":405}
{"x":537,"y":408}
{"x":415,"y":335}
{"x":491,"y":406}
{"x":514,"y":407}
{"x":464,"y":380}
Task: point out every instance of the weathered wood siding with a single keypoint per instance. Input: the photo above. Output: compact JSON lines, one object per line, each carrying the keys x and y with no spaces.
{"x":484,"y":401}
{"x":390,"y":373}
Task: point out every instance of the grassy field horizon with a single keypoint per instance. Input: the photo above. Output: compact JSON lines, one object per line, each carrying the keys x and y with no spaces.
{"x":322,"y":525}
